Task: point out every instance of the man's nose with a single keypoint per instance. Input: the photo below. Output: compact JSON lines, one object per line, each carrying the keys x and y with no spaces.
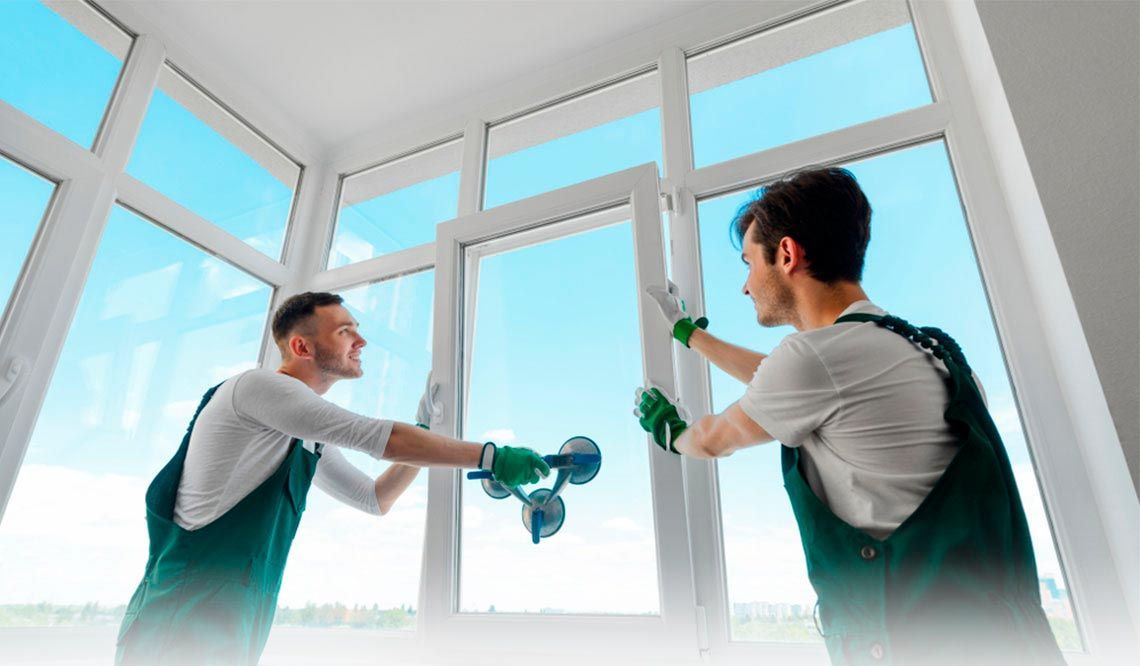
{"x":360,"y":342}
{"x":745,"y":288}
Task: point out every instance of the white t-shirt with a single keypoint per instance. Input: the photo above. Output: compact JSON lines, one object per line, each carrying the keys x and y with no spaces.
{"x":244,"y":434}
{"x":865,"y":406}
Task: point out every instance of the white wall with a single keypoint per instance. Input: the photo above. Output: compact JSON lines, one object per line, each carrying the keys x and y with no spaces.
{"x":1071,"y":71}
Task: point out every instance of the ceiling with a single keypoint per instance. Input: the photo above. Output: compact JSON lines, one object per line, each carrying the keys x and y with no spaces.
{"x":336,"y":70}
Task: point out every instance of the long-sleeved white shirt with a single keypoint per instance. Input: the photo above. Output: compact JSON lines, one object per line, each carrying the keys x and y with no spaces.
{"x":244,"y":434}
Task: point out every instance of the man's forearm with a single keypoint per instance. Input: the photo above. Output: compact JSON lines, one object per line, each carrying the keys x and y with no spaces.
{"x":693,"y":442}
{"x":737,"y":361}
{"x":392,"y":483}
{"x":719,"y":435}
{"x":416,"y":446}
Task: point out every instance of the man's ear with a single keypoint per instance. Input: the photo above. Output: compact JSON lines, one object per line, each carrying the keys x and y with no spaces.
{"x":790,"y":255}
{"x":298,"y":347}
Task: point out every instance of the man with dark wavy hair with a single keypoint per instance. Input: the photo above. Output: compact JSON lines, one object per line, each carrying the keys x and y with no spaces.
{"x":915,"y":537}
{"x":223,"y":512}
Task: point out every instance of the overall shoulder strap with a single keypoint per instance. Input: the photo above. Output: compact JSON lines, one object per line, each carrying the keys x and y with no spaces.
{"x":946,"y":349}
{"x":858,"y":316}
{"x":162,"y":491}
{"x":202,"y":405}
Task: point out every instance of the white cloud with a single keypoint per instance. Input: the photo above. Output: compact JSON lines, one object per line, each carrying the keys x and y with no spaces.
{"x":622,"y":524}
{"x":130,"y":419}
{"x":71,"y":536}
{"x":499,"y":436}
{"x":473,"y":517}
{"x":1006,"y":419}
{"x":223,"y":372}
{"x":181,"y":410}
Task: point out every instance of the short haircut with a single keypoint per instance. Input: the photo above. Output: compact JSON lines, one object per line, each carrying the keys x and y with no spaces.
{"x":296,"y":312}
{"x":824,"y":210}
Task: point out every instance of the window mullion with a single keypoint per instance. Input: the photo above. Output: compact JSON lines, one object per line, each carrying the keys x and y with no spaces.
{"x":128,"y":107}
{"x":845,"y":145}
{"x":306,"y":244}
{"x":45,"y":301}
{"x":41,"y":149}
{"x":384,"y":267}
{"x":474,"y":167}
{"x":693,"y":387}
{"x":183,"y":222}
{"x":672,"y":534}
{"x":42,"y":307}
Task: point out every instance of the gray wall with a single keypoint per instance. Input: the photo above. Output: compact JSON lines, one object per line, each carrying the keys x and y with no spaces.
{"x":1071,"y":71}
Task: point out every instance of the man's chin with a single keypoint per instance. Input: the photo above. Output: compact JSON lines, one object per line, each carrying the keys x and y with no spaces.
{"x":767,"y":320}
{"x":348,"y":372}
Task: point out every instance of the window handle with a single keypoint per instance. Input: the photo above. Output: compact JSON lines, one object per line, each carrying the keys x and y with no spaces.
{"x":12,"y":373}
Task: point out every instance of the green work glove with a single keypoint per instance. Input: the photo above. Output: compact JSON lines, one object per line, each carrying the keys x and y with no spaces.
{"x":659,"y":416}
{"x":673,"y":309}
{"x":428,"y":410}
{"x":514,"y":466}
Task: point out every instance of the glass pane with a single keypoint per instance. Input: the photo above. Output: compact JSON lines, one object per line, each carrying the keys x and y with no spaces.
{"x":159,"y":323}
{"x":921,"y":266}
{"x":605,"y":131}
{"x":198,"y":154}
{"x":396,"y":206}
{"x":24,"y":198}
{"x":539,"y":377}
{"x":374,"y":584}
{"x":60,"y":69}
{"x":823,"y":73}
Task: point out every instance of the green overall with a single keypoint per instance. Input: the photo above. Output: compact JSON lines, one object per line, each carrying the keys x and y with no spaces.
{"x":956,"y":583}
{"x":208,"y":596}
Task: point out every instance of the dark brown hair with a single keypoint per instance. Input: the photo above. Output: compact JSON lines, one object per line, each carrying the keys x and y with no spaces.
{"x":296,"y":310}
{"x":824,"y":210}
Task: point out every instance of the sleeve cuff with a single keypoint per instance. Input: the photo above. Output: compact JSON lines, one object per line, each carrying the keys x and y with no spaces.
{"x":756,"y":413}
{"x":487,"y":458}
{"x":382,"y":438}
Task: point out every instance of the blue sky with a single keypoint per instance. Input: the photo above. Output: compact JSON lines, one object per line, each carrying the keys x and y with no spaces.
{"x":556,"y":350}
{"x":180,"y":156}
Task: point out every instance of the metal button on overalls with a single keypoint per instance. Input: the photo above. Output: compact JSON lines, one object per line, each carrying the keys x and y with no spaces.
{"x":877,"y":651}
{"x":208,"y":596}
{"x":968,"y":538}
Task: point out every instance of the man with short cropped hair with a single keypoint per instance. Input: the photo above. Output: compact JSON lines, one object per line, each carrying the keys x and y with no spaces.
{"x":223,"y":512}
{"x":914,"y":534}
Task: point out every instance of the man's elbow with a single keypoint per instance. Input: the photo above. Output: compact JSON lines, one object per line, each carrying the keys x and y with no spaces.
{"x":701,"y":444}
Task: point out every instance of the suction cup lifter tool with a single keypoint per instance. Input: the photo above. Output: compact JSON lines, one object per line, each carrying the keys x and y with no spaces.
{"x":544,"y":511}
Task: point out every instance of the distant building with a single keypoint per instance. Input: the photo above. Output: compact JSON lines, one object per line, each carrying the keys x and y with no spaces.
{"x":1054,"y":598}
{"x":768,"y":611}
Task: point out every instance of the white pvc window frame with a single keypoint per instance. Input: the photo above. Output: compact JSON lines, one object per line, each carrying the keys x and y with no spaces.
{"x":451,"y":633}
{"x":90,"y":183}
{"x":394,"y":160}
{"x":1085,"y":483}
{"x":1099,"y":559}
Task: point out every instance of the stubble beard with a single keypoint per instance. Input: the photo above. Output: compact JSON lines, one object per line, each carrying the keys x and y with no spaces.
{"x":332,"y":365}
{"x":780,"y":308}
